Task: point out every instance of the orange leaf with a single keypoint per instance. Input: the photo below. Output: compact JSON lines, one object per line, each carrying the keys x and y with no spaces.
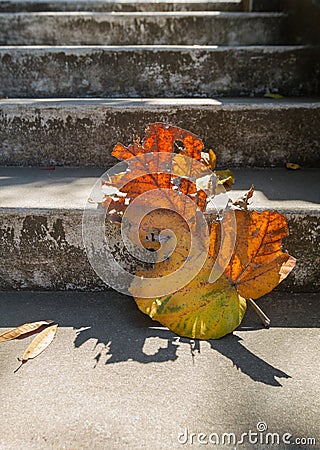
{"x":150,"y":168}
{"x":258,"y":264}
{"x":161,"y":138}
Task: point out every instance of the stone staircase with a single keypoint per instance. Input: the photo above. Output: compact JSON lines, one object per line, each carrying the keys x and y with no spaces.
{"x":76,"y":77}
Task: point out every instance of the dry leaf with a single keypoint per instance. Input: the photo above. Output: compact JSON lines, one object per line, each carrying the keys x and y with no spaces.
{"x":200,"y":310}
{"x":292,"y":166}
{"x":271,"y":95}
{"x":39,"y":344}
{"x":146,"y":171}
{"x":243,"y":201}
{"x":206,"y":310}
{"x":23,"y":330}
{"x":244,"y":257}
{"x":226,"y":178}
{"x":258,"y":264}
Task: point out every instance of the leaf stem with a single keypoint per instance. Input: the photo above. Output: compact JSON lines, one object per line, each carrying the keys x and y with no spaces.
{"x":264,"y":318}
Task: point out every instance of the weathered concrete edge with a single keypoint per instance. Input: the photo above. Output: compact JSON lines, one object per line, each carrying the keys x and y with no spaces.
{"x":111,"y":5}
{"x":43,"y":249}
{"x":87,"y":49}
{"x":233,"y":103}
{"x":136,"y":14}
{"x":82,"y":132}
{"x":160,"y":71}
{"x":142,"y":28}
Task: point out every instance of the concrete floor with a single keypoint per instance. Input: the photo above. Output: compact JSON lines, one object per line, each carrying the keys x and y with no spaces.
{"x":113,"y":379}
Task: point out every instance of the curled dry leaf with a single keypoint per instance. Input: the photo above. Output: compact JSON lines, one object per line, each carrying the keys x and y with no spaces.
{"x":39,"y":344}
{"x":243,"y":201}
{"x":22,"y":330}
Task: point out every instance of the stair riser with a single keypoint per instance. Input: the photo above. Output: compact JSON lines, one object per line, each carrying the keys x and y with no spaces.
{"x":106,"y":6}
{"x":83,"y":133}
{"x":158,"y":71}
{"x":44,"y":250}
{"x":108,"y":29}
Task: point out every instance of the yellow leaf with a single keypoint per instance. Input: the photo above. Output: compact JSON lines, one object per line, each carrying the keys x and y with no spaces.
{"x":212,"y":159}
{"x":200,"y":310}
{"x":204,"y":310}
{"x":226,"y":178}
{"x":23,"y":330}
{"x":271,"y":95}
{"x":292,"y":166}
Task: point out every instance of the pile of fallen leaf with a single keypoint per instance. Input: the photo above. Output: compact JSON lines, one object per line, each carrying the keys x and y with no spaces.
{"x":257,"y":264}
{"x":46,"y":331}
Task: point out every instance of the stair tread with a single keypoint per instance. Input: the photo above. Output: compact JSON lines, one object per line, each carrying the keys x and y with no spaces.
{"x":223,"y":102}
{"x":110,"y":5}
{"x":61,"y":131}
{"x":68,"y":188}
{"x":155,"y":14}
{"x":159,"y":70}
{"x":158,"y":47}
{"x":139,"y":28}
{"x":128,"y":1}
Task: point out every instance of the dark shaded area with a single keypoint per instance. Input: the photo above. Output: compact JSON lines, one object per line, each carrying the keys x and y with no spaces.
{"x":304,"y":18}
{"x":115,"y":321}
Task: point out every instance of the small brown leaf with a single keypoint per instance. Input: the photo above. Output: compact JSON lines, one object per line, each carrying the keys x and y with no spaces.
{"x":243,"y":201}
{"x":23,"y":329}
{"x":292,"y":166}
{"x":39,"y":344}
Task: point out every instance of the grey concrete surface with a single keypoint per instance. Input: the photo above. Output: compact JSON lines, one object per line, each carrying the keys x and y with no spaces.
{"x":182,"y":28}
{"x":157,"y":71}
{"x":41,"y":243}
{"x":113,"y":379}
{"x":82,"y":132}
{"x":120,"y":5}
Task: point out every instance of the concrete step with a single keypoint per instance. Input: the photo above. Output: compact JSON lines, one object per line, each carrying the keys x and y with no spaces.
{"x":244,"y":132}
{"x":107,"y":348}
{"x":180,"y":28}
{"x":41,"y":243}
{"x":120,"y":5}
{"x":157,"y":71}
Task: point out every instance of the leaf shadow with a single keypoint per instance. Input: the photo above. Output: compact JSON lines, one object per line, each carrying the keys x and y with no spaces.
{"x":109,"y":327}
{"x":125,"y":339}
{"x":247,"y":362}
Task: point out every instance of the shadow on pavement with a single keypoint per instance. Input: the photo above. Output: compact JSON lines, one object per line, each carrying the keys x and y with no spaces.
{"x":120,"y":332}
